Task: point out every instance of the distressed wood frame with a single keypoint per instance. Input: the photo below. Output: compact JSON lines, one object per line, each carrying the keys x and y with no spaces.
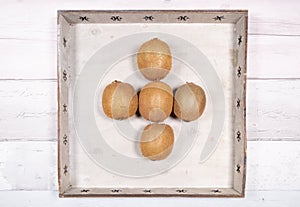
{"x":66,"y":19}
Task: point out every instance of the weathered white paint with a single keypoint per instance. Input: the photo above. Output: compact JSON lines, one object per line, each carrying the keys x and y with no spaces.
{"x":273,"y":57}
{"x":50,"y":199}
{"x":27,"y":59}
{"x":270,"y":116}
{"x":273,"y":110}
{"x":33,"y":165}
{"x":268,"y":57}
{"x":40,"y":17}
{"x":28,"y":165}
{"x":31,"y":36}
{"x":28,"y":51}
{"x":28,"y":110}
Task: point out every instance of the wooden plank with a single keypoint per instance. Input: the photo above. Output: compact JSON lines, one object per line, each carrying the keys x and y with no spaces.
{"x":268,"y":57}
{"x":269,"y":115}
{"x":273,"y":110}
{"x":27,"y":59}
{"x":33,"y":165}
{"x":50,"y":199}
{"x":276,"y":17}
{"x":273,"y":57}
{"x":28,"y":110}
{"x":32,"y":41}
{"x":28,"y":165}
{"x":273,"y":165}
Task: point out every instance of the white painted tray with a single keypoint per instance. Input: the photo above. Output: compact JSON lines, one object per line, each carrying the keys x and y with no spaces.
{"x":99,"y":156}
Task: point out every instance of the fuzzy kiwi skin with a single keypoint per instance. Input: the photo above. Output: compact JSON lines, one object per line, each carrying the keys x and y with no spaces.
{"x":154,"y":59}
{"x":157,"y":141}
{"x":119,"y":100}
{"x":156,"y":101}
{"x":189,"y":102}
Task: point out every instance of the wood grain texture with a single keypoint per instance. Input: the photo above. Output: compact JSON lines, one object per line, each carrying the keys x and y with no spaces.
{"x":268,"y":57}
{"x":28,"y":165}
{"x":273,"y":57}
{"x":273,"y":110}
{"x":269,"y":115}
{"x":31,"y":38}
{"x":33,"y":166}
{"x":27,"y":59}
{"x":47,"y":198}
{"x":63,"y":103}
{"x":28,"y":110}
{"x":28,"y":51}
{"x":266,"y":17}
{"x":50,"y":199}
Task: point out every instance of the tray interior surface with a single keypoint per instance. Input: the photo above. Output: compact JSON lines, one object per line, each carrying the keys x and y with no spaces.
{"x":216,"y":42}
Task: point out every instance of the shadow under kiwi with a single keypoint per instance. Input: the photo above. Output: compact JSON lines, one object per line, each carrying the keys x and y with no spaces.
{"x":137,"y":144}
{"x":137,"y":113}
{"x":172,"y":115}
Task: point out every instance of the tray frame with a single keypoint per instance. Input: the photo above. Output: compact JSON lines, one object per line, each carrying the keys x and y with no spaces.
{"x":67,"y":18}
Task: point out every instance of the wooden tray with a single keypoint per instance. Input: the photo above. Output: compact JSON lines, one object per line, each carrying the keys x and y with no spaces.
{"x":209,"y":155}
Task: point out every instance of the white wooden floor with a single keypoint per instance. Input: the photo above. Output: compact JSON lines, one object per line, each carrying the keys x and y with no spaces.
{"x":28,"y":130}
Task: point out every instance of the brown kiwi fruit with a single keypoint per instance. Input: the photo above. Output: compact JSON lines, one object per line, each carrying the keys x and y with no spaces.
{"x":154,"y":59}
{"x":157,"y":141}
{"x":119,"y":100}
{"x":189,"y":102}
{"x":156,"y":101}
